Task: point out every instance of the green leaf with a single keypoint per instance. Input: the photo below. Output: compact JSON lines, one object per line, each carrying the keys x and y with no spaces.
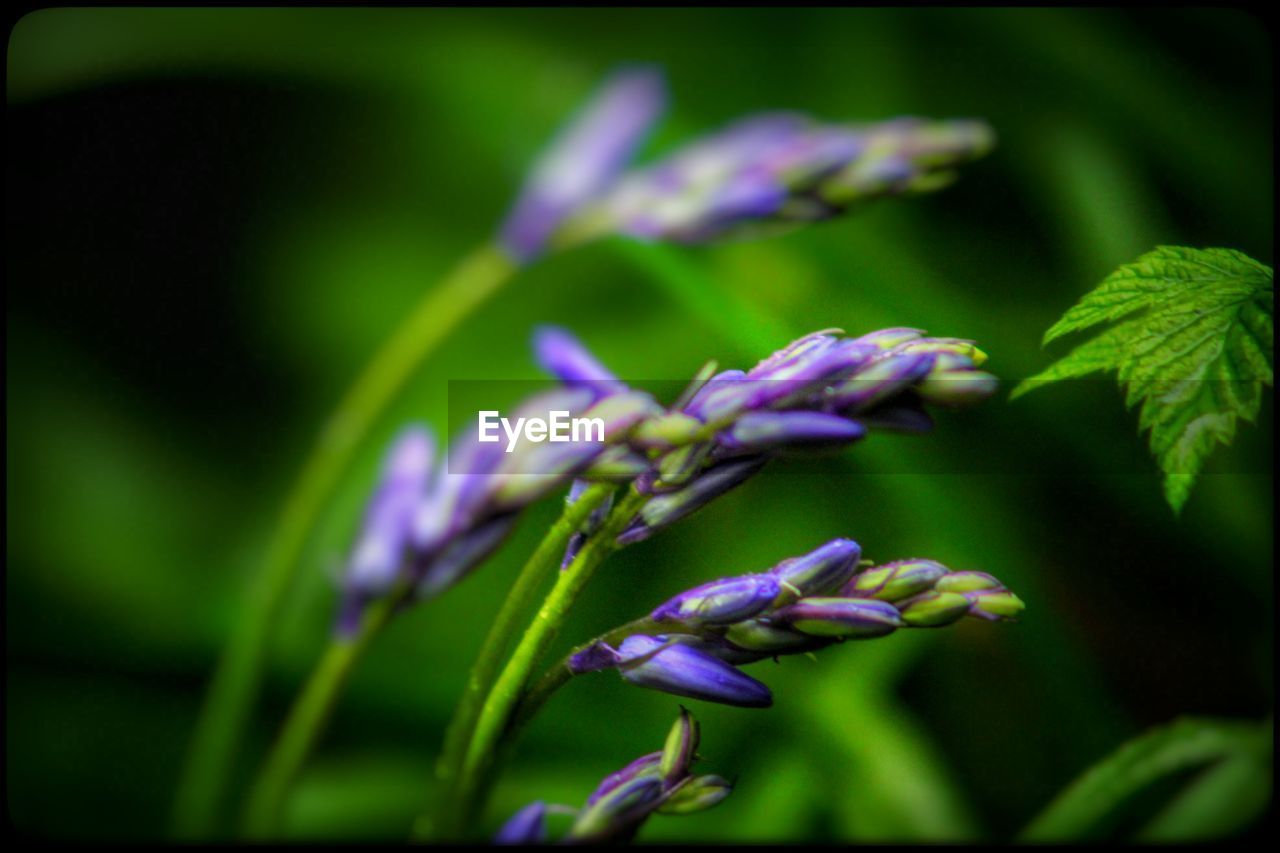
{"x":1234,"y":788}
{"x":1191,"y":341}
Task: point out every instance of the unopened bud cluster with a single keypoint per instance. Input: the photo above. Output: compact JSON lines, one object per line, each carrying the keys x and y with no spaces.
{"x":658,"y":783}
{"x":800,"y":605}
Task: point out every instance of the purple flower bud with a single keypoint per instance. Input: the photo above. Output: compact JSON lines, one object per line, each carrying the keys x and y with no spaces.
{"x":385,"y":534}
{"x":462,"y":554}
{"x":598,"y":655}
{"x":895,"y":581}
{"x":878,"y":381}
{"x":527,"y":826}
{"x":774,"y":169}
{"x":685,"y":671}
{"x":584,"y":160}
{"x":679,"y":751}
{"x":720,"y":602}
{"x":823,"y":569}
{"x":673,"y":506}
{"x":616,"y":815}
{"x":755,"y":432}
{"x":645,"y":765}
{"x":850,"y":618}
{"x":563,"y":356}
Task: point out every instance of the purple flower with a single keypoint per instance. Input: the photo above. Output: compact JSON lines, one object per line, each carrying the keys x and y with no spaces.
{"x":777,"y":169}
{"x":685,"y":671}
{"x":527,"y":826}
{"x":380,"y":548}
{"x":563,"y":356}
{"x":645,"y":765}
{"x":821,"y":570}
{"x":720,"y":602}
{"x":756,"y":432}
{"x":584,"y":160}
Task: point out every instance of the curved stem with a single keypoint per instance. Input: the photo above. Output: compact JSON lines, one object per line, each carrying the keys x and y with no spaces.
{"x":492,"y":724}
{"x":540,"y":565}
{"x":229,"y":702}
{"x":307,"y":718}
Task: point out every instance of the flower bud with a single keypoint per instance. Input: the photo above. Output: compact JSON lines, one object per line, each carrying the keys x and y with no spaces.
{"x":823,"y":569}
{"x":584,"y":160}
{"x":462,"y":554}
{"x":563,"y":356}
{"x":527,"y":826}
{"x":696,"y":794}
{"x":878,"y":381}
{"x":680,"y":748}
{"x":967,"y":582}
{"x":890,"y":338}
{"x":598,"y":655}
{"x":671,"y":429}
{"x":616,"y":813}
{"x":895,"y":581}
{"x":994,"y":605}
{"x":388,"y":523}
{"x":769,"y":638}
{"x":720,"y":602}
{"x":846,"y":618}
{"x":932,"y":609}
{"x":645,"y":765}
{"x":755,"y":432}
{"x":679,"y":466}
{"x":957,"y":388}
{"x":685,"y":671}
{"x":673,"y":506}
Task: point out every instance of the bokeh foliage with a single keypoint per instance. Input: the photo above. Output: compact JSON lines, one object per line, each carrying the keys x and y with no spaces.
{"x":215,"y":215}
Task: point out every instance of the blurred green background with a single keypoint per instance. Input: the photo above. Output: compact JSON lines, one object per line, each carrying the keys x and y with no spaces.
{"x":215,"y":216}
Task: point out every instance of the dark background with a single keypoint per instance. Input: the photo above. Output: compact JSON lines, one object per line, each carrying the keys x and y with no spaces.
{"x":214,"y":216}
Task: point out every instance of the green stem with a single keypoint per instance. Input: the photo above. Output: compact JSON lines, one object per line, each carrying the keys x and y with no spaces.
{"x":229,"y":702}
{"x":307,"y":718}
{"x":492,"y":724}
{"x":539,"y":567}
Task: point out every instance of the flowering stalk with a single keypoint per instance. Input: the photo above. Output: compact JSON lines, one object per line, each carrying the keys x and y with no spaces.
{"x":693,"y":644}
{"x":456,"y":806}
{"x":503,"y":630}
{"x":348,"y":645}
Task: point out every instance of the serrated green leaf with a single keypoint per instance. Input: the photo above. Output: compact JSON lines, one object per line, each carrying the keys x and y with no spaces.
{"x":1192,"y":349}
{"x":1216,"y":803}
